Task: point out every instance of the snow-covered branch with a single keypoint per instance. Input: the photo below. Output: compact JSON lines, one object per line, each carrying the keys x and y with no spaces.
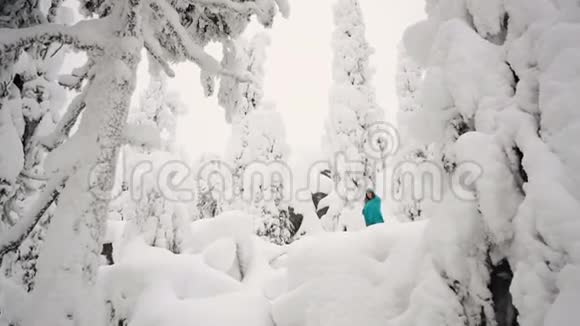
{"x":14,"y":236}
{"x":52,"y":11}
{"x":32,"y":176}
{"x":191,"y":50}
{"x":240,"y":76}
{"x":156,"y":51}
{"x":81,"y":36}
{"x":74,"y":81}
{"x":66,"y":123}
{"x":284,"y":7}
{"x":240,"y":7}
{"x":131,"y":17}
{"x":249,"y":7}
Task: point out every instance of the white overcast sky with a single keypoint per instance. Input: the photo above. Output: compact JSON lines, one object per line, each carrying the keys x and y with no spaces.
{"x":298,"y":74}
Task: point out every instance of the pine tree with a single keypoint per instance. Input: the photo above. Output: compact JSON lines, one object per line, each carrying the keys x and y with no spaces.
{"x":353,"y":110}
{"x":257,"y":144}
{"x":408,"y":205}
{"x":268,"y":152}
{"x":240,"y":99}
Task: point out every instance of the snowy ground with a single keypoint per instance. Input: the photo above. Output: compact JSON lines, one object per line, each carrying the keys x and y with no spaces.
{"x":326,"y":279}
{"x":382,"y":275}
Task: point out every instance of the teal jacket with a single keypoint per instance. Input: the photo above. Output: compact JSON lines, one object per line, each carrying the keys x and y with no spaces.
{"x":372,"y":212}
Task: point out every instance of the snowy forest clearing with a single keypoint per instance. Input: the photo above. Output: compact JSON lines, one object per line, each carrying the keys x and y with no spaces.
{"x":104,"y":220}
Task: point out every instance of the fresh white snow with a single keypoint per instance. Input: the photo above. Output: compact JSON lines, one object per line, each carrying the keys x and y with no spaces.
{"x":259,"y":235}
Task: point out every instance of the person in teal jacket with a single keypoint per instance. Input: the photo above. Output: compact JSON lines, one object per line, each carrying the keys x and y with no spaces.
{"x":372,"y":209}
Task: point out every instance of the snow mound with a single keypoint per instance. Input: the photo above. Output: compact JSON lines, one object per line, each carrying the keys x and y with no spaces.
{"x":232,"y":224}
{"x":141,"y":267}
{"x":351,"y":278}
{"x":226,"y":266}
{"x":160,"y":306}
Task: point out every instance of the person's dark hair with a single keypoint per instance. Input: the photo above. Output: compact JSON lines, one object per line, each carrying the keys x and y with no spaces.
{"x":367,"y":197}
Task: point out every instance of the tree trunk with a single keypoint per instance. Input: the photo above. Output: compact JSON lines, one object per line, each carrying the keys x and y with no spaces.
{"x":69,"y":261}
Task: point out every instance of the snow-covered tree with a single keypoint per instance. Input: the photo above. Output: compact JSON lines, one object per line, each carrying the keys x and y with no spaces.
{"x":159,"y":220}
{"x":353,"y":110}
{"x":498,"y":101}
{"x":408,"y":81}
{"x":407,"y":203}
{"x":257,"y":144}
{"x":83,"y":168}
{"x":240,"y":99}
{"x":212,"y":179}
{"x":266,"y":174}
{"x":30,"y":106}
